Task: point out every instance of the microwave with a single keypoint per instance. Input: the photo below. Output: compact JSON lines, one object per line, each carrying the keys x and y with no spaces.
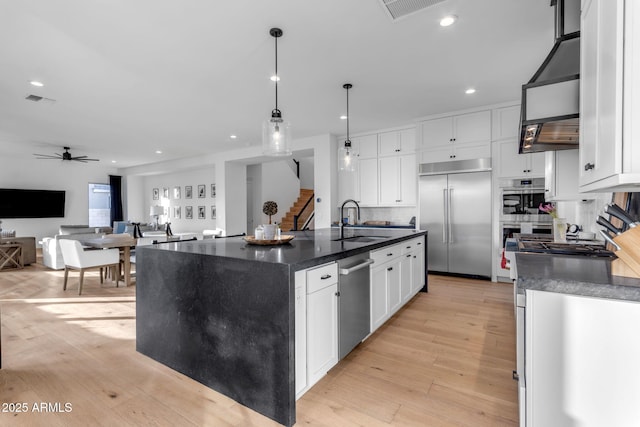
{"x":522,"y":196}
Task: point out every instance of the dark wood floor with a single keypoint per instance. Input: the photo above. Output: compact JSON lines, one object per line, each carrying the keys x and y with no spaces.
{"x":445,"y":359}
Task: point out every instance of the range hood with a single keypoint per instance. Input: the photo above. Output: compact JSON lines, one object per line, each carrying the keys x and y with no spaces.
{"x":550,"y":111}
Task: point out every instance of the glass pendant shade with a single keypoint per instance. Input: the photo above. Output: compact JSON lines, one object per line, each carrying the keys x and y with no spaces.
{"x":276,"y":137}
{"x":347,"y":157}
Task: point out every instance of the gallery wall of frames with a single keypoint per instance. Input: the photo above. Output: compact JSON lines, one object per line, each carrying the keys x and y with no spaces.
{"x":188,"y":199}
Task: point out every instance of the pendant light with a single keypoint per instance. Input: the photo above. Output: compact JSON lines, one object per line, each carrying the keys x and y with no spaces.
{"x":276,"y":133}
{"x":347,"y":156}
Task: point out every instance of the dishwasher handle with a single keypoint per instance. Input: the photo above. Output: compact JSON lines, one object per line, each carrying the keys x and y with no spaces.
{"x":346,"y":271}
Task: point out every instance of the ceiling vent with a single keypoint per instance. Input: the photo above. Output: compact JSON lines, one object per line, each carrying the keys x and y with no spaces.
{"x":37,"y":98}
{"x":400,"y":8}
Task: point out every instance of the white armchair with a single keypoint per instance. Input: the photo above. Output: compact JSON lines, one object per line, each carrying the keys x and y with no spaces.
{"x":77,"y":258}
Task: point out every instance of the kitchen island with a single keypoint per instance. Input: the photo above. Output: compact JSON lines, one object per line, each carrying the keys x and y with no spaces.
{"x":222,"y":311}
{"x":577,"y":346}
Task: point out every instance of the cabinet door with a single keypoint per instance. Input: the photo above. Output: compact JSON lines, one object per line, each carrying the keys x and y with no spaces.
{"x":511,"y":163}
{"x":379,"y":298}
{"x":368,"y":181}
{"x":322,"y":331}
{"x":471,"y":151}
{"x":393,"y":286}
{"x":437,"y":133}
{"x":506,"y":123}
{"x":408,"y":179}
{"x":301,"y":332}
{"x":473,"y":127}
{"x":348,"y":185}
{"x":389,"y":180}
{"x":366,"y":146}
{"x":388,"y":143}
{"x":407,"y":140}
{"x":536,"y":164}
{"x":601,"y":82}
{"x":418,"y":270}
{"x":406,"y":277}
{"x":443,"y":154}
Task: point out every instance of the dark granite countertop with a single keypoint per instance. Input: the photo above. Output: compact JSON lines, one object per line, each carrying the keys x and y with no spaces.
{"x":576,"y":275}
{"x":308,"y":248}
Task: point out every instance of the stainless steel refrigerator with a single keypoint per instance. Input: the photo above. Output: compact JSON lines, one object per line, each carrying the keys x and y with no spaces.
{"x":455,"y":209}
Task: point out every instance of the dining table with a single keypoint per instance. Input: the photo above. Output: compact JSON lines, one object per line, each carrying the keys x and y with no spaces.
{"x":122,"y":241}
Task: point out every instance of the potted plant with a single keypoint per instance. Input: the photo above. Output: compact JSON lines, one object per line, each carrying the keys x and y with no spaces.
{"x":270,"y":208}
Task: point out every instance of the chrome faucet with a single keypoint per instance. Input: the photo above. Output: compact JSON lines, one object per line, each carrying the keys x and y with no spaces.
{"x":342,"y":215}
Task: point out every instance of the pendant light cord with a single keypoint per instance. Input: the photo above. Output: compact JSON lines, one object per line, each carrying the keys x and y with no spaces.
{"x":348,"y":116}
{"x":277,"y":77}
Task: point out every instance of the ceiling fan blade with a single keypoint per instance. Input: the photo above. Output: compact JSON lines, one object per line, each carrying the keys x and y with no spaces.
{"x":47,"y":156}
{"x":83,"y":160}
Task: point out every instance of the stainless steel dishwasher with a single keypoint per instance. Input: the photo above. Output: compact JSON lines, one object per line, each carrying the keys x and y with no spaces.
{"x":354,"y":322}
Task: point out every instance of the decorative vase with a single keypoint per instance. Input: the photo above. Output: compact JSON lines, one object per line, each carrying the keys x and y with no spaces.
{"x":269,"y":231}
{"x":560,"y":230}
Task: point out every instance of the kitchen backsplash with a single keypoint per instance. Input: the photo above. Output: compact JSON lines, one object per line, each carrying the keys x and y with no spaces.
{"x":584,"y":212}
{"x":397,"y":216}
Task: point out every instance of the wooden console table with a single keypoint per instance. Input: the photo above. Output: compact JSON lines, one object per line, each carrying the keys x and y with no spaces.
{"x":11,"y":256}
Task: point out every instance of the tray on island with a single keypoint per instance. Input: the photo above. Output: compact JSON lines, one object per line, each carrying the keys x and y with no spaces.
{"x":285,"y":238}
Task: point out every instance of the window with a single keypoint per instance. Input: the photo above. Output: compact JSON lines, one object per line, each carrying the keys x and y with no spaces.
{"x":99,"y":205}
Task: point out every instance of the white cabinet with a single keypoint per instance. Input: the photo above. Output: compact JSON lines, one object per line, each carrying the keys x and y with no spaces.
{"x":514,"y":165}
{"x":301,"y":331}
{"x":366,"y":146}
{"x":609,"y":95}
{"x":462,"y":129}
{"x":398,"y":180}
{"x":396,"y":142}
{"x":367,"y":182}
{"x":561,"y":176}
{"x":397,"y":275}
{"x":322,"y":321}
{"x":581,"y":357}
{"x":506,"y":123}
{"x":461,"y":137}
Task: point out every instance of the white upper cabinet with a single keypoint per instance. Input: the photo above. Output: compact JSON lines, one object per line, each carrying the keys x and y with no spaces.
{"x":398,"y":180}
{"x":397,"y":142}
{"x":609,"y":96}
{"x":561,"y":176}
{"x":366,"y":146}
{"x":511,"y":164}
{"x":465,"y":136}
{"x":506,"y":123}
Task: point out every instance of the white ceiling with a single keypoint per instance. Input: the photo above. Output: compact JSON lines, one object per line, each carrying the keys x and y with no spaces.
{"x":131,"y":77}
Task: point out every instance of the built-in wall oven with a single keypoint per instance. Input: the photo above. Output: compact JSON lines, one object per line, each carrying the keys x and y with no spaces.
{"x":519,"y":213}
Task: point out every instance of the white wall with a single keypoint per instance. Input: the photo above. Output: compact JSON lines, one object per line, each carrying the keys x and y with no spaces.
{"x":281,"y":185}
{"x":194,"y":178}
{"x":307,"y":172}
{"x":72,"y":177}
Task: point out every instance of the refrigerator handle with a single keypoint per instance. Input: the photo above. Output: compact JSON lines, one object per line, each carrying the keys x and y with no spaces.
{"x":449,"y":223}
{"x":445,"y":211}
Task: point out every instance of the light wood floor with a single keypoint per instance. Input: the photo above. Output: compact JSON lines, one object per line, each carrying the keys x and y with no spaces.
{"x":445,"y":359}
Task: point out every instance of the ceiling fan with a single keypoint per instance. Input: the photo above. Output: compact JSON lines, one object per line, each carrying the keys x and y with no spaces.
{"x":65,"y":156}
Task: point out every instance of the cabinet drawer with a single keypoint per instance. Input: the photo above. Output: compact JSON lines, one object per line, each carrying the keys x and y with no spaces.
{"x":411,"y":245}
{"x":321,"y":277}
{"x":386,"y":254}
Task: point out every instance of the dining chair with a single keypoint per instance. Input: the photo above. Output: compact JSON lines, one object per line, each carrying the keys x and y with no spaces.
{"x":76,"y":258}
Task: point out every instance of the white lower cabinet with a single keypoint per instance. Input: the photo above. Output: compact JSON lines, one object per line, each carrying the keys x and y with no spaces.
{"x":581,"y":356}
{"x":322,"y":321}
{"x":396,"y":276}
{"x":301,"y":331}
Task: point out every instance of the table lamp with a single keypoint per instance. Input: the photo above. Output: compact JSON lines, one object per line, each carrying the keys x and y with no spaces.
{"x":155,"y":212}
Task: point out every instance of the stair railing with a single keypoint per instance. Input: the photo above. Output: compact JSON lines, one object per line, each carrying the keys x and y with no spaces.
{"x":296,"y":217}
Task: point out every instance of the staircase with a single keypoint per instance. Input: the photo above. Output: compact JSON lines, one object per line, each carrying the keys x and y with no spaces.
{"x":306,"y":195}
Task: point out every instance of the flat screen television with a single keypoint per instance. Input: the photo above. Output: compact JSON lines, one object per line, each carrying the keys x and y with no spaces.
{"x":16,"y":203}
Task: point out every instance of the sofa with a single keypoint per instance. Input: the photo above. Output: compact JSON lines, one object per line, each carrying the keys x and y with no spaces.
{"x":51,"y":253}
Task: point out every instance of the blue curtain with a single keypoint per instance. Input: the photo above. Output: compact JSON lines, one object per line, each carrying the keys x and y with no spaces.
{"x":115,"y":183}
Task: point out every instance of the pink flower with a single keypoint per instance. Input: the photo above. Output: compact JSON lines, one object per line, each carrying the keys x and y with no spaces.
{"x":548,"y":208}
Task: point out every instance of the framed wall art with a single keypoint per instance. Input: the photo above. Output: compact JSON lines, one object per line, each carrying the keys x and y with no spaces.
{"x":156,"y":194}
{"x":201,"y":191}
{"x":176,"y":192}
{"x":201,"y":212}
{"x":188,"y":212}
{"x":188,"y":192}
{"x":213,"y":191}
{"x":213,"y":212}
{"x":165,"y":192}
{"x":176,"y":212}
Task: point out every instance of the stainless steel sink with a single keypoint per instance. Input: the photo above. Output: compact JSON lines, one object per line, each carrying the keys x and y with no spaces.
{"x":361,"y":239}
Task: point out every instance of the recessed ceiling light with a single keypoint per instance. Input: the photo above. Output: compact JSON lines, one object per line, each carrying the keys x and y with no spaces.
{"x":36,"y":83}
{"x":470,"y":91}
{"x":275,"y":78}
{"x":343,"y":117}
{"x":113,"y":161}
{"x":158,"y":152}
{"x":448,"y":20}
{"x":233,"y":136}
